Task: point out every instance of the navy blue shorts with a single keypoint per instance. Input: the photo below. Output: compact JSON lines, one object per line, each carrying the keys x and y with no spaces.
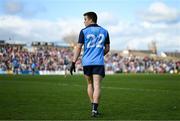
{"x":96,"y":69}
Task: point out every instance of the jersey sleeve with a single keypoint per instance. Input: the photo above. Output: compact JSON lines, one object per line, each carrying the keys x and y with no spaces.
{"x":81,"y":37}
{"x":107,"y":41}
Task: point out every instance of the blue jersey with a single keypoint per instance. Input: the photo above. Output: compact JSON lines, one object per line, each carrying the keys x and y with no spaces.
{"x":94,"y":39}
{"x":15,"y":62}
{"x":33,"y":65}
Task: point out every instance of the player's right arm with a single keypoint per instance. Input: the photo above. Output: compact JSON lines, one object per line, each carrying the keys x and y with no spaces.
{"x":78,"y":46}
{"x":77,"y":52}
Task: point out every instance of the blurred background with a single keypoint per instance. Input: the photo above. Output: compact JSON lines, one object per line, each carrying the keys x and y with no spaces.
{"x":39,"y":36}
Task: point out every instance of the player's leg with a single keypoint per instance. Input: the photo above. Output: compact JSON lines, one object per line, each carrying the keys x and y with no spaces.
{"x":32,"y":71}
{"x":97,"y":88}
{"x":65,"y":71}
{"x":16,"y":70}
{"x":97,"y":93}
{"x":89,"y":87}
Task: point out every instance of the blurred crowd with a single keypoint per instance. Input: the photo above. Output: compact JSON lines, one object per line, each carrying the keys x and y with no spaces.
{"x":18,"y":59}
{"x":135,"y":64}
{"x":41,"y":59}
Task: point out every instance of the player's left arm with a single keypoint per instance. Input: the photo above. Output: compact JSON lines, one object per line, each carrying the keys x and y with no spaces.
{"x":107,"y":48}
{"x":107,"y":45}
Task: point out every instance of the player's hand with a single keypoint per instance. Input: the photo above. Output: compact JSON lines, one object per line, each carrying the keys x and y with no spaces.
{"x":72,"y":68}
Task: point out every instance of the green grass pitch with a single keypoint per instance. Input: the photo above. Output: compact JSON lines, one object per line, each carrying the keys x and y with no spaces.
{"x":124,"y":97}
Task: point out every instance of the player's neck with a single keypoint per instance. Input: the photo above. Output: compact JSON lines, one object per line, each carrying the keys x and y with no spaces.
{"x":92,"y":23}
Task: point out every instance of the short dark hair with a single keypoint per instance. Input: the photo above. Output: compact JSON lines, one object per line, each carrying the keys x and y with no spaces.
{"x":91,"y":15}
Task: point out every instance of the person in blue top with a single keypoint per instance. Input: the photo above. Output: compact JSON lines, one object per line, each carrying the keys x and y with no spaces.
{"x":33,"y":67}
{"x":95,"y":40}
{"x":15,"y":63}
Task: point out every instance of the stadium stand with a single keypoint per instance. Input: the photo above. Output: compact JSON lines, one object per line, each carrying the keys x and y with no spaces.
{"x":47,"y":58}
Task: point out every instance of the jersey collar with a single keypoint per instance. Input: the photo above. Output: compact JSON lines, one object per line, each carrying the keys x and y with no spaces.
{"x":91,"y":25}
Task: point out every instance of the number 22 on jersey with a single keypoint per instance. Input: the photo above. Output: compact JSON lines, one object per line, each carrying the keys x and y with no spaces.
{"x":95,"y":41}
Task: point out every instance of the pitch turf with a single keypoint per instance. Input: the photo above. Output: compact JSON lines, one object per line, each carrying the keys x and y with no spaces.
{"x":124,"y":97}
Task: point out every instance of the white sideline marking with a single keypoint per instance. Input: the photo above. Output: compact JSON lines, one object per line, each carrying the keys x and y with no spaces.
{"x":108,"y":87}
{"x":120,"y":88}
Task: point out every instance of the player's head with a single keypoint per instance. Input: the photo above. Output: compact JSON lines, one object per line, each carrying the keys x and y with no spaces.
{"x":90,"y":18}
